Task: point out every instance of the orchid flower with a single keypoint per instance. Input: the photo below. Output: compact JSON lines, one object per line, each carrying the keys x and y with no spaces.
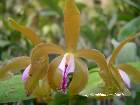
{"x":117,"y":80}
{"x":122,"y":72}
{"x":37,"y":66}
{"x":70,"y":61}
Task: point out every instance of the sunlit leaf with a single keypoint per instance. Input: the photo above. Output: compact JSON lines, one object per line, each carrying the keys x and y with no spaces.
{"x":94,"y":85}
{"x":135,"y":64}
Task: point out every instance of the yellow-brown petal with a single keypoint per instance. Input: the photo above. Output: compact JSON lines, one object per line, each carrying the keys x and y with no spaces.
{"x":54,"y":75}
{"x":43,"y":91}
{"x":52,"y":48}
{"x":71,"y":24}
{"x":39,"y":67}
{"x":100,"y":60}
{"x":131,"y":71}
{"x":27,"y":32}
{"x":14,"y":65}
{"x":80,"y":77}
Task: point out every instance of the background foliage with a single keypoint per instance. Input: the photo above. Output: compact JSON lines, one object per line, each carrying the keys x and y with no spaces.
{"x":103,"y":24}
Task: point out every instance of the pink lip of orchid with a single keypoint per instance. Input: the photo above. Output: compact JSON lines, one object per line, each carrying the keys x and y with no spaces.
{"x":123,"y":75}
{"x":125,"y":78}
{"x":26,"y":73}
{"x":66,"y":66}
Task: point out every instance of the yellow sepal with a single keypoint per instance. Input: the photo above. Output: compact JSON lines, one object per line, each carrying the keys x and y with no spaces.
{"x":39,"y":67}
{"x":80,"y":77}
{"x":71,"y":25}
{"x":99,"y":58}
{"x":27,"y":32}
{"x":14,"y":65}
{"x":54,"y":75}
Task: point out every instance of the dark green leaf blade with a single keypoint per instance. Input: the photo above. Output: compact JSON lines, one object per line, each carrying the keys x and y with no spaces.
{"x":130,"y":28}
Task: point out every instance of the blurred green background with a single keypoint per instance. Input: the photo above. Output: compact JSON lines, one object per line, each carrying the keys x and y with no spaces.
{"x":103,"y":24}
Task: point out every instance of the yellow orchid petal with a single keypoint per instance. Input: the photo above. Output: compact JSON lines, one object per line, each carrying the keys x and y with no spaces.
{"x":43,"y":91}
{"x":99,"y":59}
{"x":71,"y":24}
{"x":50,"y":48}
{"x":131,"y":71}
{"x":119,"y":85}
{"x":39,"y":67}
{"x":14,"y":65}
{"x":27,"y":32}
{"x":54,"y":75}
{"x":118,"y":49}
{"x":80,"y":77}
{"x":53,"y":48}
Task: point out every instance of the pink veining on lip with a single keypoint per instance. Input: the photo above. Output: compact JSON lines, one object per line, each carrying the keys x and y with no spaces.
{"x":65,"y":79}
{"x":66,"y":66}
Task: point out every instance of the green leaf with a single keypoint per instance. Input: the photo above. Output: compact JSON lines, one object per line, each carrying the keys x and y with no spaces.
{"x":130,"y":2}
{"x":65,"y":99}
{"x":4,"y":43}
{"x":12,"y":90}
{"x":136,"y":65}
{"x":49,"y":13}
{"x":130,"y":28}
{"x":127,"y":54}
{"x":53,"y":5}
{"x":60,"y":99}
{"x":88,"y":33}
{"x":94,"y":84}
